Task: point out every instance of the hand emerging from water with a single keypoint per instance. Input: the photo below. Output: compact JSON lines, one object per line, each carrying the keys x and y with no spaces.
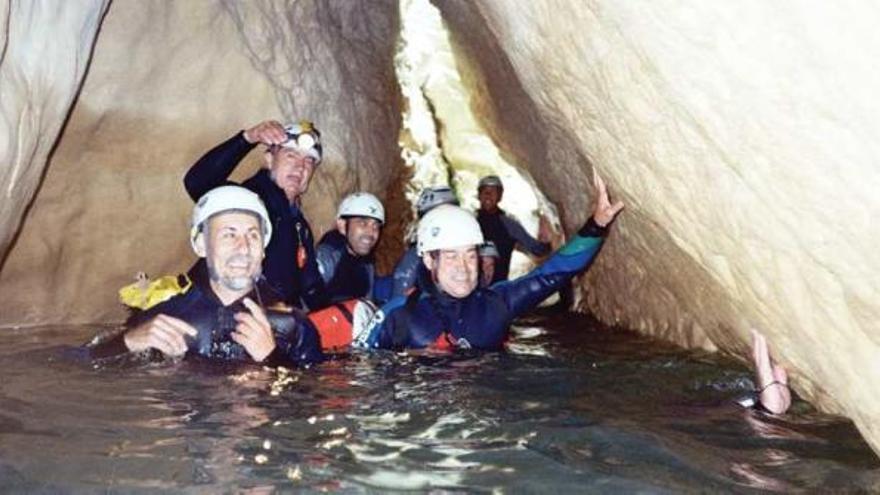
{"x":253,"y":331}
{"x":545,"y":231}
{"x":604,"y":212}
{"x":772,"y":380}
{"x":163,"y":333}
{"x":269,"y":132}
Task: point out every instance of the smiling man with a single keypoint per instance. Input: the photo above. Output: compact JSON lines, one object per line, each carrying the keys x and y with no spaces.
{"x":345,"y":255}
{"x":222,"y":315}
{"x":292,"y":154}
{"x":450,"y":310}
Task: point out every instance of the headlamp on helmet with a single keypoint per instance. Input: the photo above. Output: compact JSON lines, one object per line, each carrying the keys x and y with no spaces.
{"x":303,"y":136}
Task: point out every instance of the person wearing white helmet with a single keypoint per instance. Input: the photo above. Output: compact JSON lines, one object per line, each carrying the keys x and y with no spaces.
{"x":223,"y":315}
{"x":345,"y":254}
{"x":488,"y":259}
{"x":292,"y":154}
{"x":407,"y":268}
{"x":505,"y":231}
{"x":450,"y":310}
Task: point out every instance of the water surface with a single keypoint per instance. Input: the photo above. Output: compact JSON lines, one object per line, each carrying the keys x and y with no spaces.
{"x":573,"y":407}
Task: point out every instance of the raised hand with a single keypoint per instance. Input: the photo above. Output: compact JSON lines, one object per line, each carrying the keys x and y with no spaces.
{"x":269,"y":132}
{"x":604,"y":212}
{"x":545,"y":231}
{"x":771,"y":379}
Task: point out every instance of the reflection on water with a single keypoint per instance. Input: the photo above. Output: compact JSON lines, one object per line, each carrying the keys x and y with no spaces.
{"x":571,"y":407}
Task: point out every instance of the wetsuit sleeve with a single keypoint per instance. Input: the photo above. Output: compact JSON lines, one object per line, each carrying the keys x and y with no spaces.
{"x":314,"y":293}
{"x":214,"y":168}
{"x":113,"y":346}
{"x":297,"y":341}
{"x":382,"y":289}
{"x":574,"y":257}
{"x":526,"y":241}
{"x":328,"y":258}
{"x":406,"y":272}
{"x":384,"y":331}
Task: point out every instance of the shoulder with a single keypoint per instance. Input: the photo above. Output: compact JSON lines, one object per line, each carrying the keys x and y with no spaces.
{"x":332,"y":239}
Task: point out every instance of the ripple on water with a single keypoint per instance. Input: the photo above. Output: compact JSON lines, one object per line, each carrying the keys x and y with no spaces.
{"x":572,"y":407}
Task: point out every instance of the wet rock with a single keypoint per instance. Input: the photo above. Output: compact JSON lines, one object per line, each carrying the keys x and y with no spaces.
{"x":167,"y":82}
{"x":744,"y":144}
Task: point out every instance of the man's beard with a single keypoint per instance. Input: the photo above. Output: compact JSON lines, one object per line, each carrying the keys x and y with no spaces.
{"x":236,"y":283}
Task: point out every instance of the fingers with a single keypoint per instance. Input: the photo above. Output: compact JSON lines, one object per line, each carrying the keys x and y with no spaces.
{"x":163,"y":333}
{"x":269,"y":132}
{"x":598,"y":183}
{"x":180,"y":326}
{"x":253,"y":331}
{"x":256,"y":311}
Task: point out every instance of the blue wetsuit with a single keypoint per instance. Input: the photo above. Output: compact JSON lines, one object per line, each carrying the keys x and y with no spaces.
{"x":431,"y":318}
{"x":288,"y":269}
{"x":296,"y":340}
{"x":506,"y":233}
{"x":406,"y":271}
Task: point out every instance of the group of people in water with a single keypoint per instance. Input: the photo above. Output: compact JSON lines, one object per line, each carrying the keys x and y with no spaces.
{"x":263,"y":291}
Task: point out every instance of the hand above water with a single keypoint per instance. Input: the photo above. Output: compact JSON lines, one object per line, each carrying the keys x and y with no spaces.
{"x":604,"y":212}
{"x":163,"y":333}
{"x":253,"y":331}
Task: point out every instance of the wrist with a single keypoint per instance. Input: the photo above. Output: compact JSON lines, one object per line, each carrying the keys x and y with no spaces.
{"x":593,"y":229}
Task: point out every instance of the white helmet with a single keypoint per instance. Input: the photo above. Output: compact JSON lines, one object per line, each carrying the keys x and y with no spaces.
{"x":226,"y":198}
{"x":448,"y":227}
{"x":489,"y":250}
{"x":305,"y":137}
{"x":435,"y":196}
{"x":361,"y":204}
{"x":490,"y":181}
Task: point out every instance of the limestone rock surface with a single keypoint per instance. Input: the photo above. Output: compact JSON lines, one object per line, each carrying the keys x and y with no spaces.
{"x":44,"y":51}
{"x":744,"y":142}
{"x":168,"y":81}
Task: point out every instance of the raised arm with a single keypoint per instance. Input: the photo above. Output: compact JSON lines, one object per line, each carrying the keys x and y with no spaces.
{"x":524,"y":239}
{"x":574,"y":257}
{"x":214,"y":168}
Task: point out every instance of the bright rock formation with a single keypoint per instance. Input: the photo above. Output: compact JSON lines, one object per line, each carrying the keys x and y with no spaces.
{"x":44,"y":51}
{"x":744,"y":143}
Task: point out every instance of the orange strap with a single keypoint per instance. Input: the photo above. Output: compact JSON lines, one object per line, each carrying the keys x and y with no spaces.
{"x":334,"y":324}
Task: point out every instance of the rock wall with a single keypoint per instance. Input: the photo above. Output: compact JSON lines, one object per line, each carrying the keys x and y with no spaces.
{"x":39,"y":79}
{"x":169,"y":80}
{"x":744,"y":143}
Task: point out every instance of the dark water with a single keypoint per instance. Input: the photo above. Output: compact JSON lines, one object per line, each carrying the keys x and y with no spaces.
{"x":572,"y":408}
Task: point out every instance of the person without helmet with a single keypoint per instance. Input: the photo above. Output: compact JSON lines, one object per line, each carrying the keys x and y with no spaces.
{"x":488,"y":258}
{"x":503,"y":230}
{"x":293,"y":152}
{"x":406,"y":271}
{"x":222,"y":316}
{"x":449,"y":310}
{"x":345,"y":255}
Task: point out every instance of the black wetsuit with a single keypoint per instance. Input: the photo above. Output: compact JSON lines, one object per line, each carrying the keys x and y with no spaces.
{"x":506,"y":233}
{"x":296,"y":340}
{"x":346,"y":276}
{"x":295,"y":277}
